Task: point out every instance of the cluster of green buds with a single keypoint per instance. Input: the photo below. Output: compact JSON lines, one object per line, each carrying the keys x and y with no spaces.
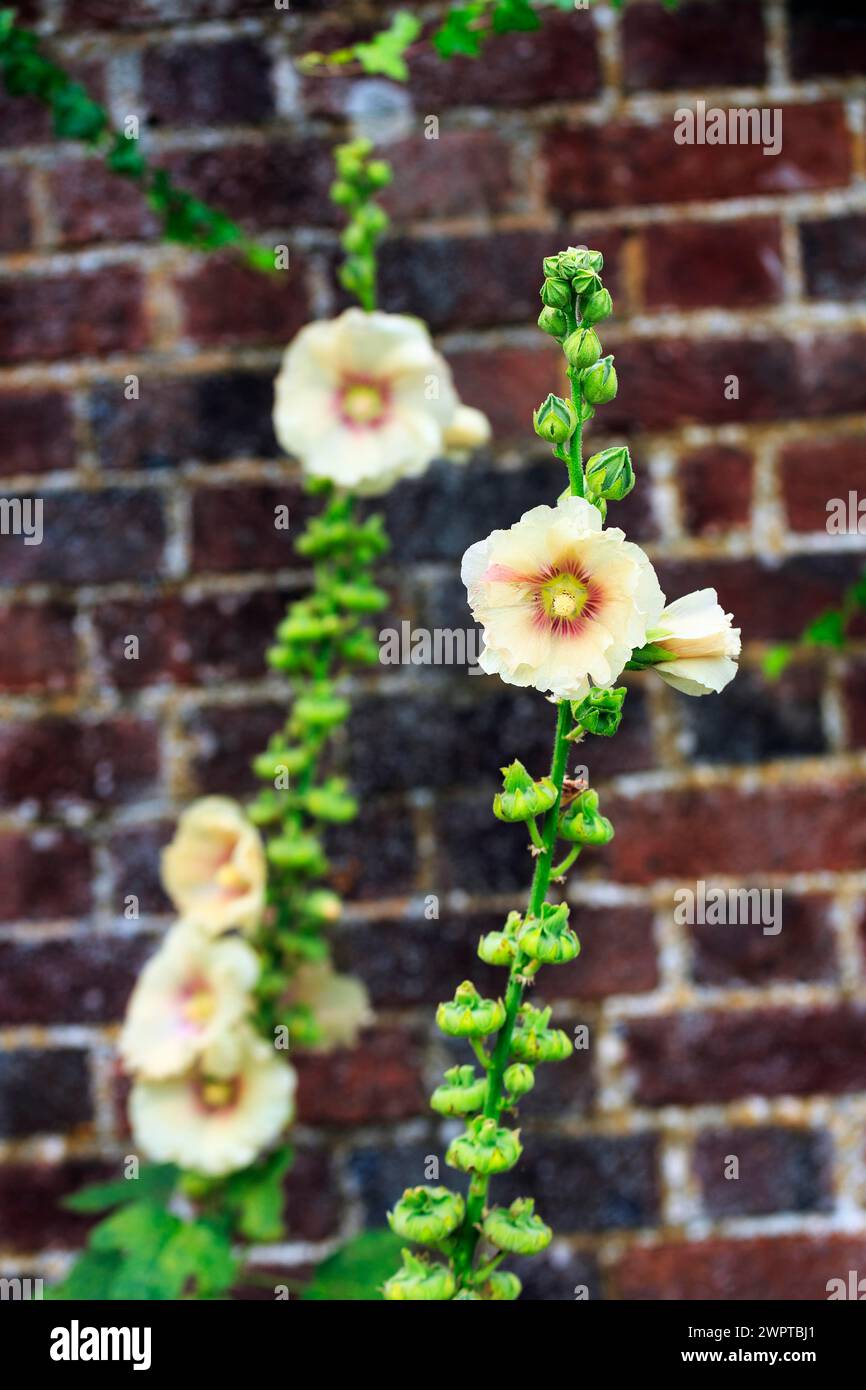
{"x":359,"y":178}
{"x":323,"y":635}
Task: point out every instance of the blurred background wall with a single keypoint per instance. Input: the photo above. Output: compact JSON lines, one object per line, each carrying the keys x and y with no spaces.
{"x":705,"y":1042}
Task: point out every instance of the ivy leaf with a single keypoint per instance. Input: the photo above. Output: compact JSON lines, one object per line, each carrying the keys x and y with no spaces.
{"x":357,"y":1271}
{"x":257,"y":1195}
{"x":827,"y":630}
{"x":513,"y":15}
{"x":457,"y":35}
{"x":124,"y":158}
{"x":858,"y":592}
{"x":154,"y":1183}
{"x":777,"y":660}
{"x":384,"y":53}
{"x":76,"y":116}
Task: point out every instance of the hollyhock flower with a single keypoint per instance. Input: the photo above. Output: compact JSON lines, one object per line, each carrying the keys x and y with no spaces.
{"x":562,"y":601}
{"x":220,"y":1115}
{"x":214,"y":870}
{"x":698,"y":632}
{"x":339,"y":1003}
{"x":365,"y":399}
{"x":189,"y":994}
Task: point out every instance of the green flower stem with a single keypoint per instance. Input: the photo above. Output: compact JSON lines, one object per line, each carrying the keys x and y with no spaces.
{"x":563,"y":867}
{"x":574,"y":457}
{"x":495,"y":1100}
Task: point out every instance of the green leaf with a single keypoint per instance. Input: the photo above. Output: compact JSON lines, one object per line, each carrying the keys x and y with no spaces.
{"x":357,"y":1271}
{"x":257,"y":1195}
{"x":202,"y":1253}
{"x":154,"y":1183}
{"x":90,"y":1279}
{"x":858,"y":592}
{"x":76,"y":117}
{"x":141,"y":1229}
{"x":384,"y":53}
{"x":777,"y":660}
{"x":827,"y":630}
{"x":514,"y":15}
{"x":457,"y":34}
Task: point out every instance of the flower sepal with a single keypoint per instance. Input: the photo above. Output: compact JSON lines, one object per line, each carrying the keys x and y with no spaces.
{"x":555,"y":419}
{"x":428,"y":1215}
{"x":581,"y":823}
{"x":517,"y":1229}
{"x":467,"y":1015}
{"x":599,"y":712}
{"x":609,"y":474}
{"x":522,"y":798}
{"x":599,"y":383}
{"x":519,"y":1078}
{"x":485,"y":1147}
{"x":533,"y":1040}
{"x":420,"y":1281}
{"x":548,"y":938}
{"x":460,"y":1092}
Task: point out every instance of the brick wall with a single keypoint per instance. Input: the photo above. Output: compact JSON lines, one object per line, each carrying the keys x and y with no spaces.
{"x":704,"y":1042}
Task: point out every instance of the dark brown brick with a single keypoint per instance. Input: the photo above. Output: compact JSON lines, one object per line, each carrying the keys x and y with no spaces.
{"x":153,"y":13}
{"x":312,"y":1208}
{"x":356,"y":873}
{"x":697,"y":45}
{"x":36,"y":428}
{"x":279,"y":185}
{"x":781,"y":1267}
{"x":463,"y":172}
{"x":26,"y":121}
{"x":695,"y":265}
{"x":612,"y":1180}
{"x":43,"y":876}
{"x":55,"y":763}
{"x":601,"y":171}
{"x":90,"y":538}
{"x":507,"y":383}
{"x":715,"y":489}
{"x":758,"y":719}
{"x":221,"y":83}
{"x":827,"y":42}
{"x":15,"y":225}
{"x":91,"y":203}
{"x":37,"y":648}
{"x":816,"y":472}
{"x":700,"y":1058}
{"x":44,"y":1092}
{"x":778,"y":1170}
{"x":31,"y":1196}
{"x":834,"y":257}
{"x":55,"y":316}
{"x":227,"y":739}
{"x":234,"y":528}
{"x":135,"y":854}
{"x":741,"y":954}
{"x":224,"y":302}
{"x":379,"y":1079}
{"x":81,"y":980}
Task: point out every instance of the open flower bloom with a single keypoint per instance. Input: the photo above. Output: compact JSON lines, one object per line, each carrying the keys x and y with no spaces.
{"x":339,"y":1003}
{"x":188,"y":995}
{"x":214,"y":870}
{"x":365,"y":399}
{"x":563,"y":602}
{"x":698,"y":631}
{"x":221,"y":1114}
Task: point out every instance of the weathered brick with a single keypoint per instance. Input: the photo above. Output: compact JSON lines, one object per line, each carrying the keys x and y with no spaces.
{"x":818,"y":472}
{"x":135,"y":854}
{"x":757,"y":719}
{"x":715,"y":489}
{"x":601,"y":171}
{"x":284,"y":183}
{"x":36,"y":428}
{"x":790,"y":1268}
{"x":696,"y":265}
{"x":855,"y":703}
{"x":90,"y":203}
{"x":696,"y":45}
{"x":612,"y":1181}
{"x":827,"y":42}
{"x":146,"y":13}
{"x":90,"y":538}
{"x":834,"y":257}
{"x":81,"y":980}
{"x":69,"y":315}
{"x":37,"y":648}
{"x":220,"y":83}
{"x":558,"y":1275}
{"x":225,"y":302}
{"x":390,"y":871}
{"x":379,"y":1079}
{"x":43,"y":1092}
{"x":226,"y":739}
{"x":741,"y":954}
{"x":31,"y":1196}
{"x":463,"y":172}
{"x":778,"y":1170}
{"x":55,"y":763}
{"x":699,"y":1058}
{"x":312,"y":1205}
{"x":507,"y":383}
{"x":27,"y":121}
{"x":235,"y":528}
{"x":43,"y":876}
{"x":15,"y":224}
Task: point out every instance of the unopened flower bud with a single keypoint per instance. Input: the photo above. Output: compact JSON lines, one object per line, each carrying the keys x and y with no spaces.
{"x":518,"y":1078}
{"x":301,"y":854}
{"x":600,"y":712}
{"x":521,"y":797}
{"x":599,"y":382}
{"x":331,"y":802}
{"x":553,"y":321}
{"x":556,"y":294}
{"x":427,"y":1214}
{"x":420,"y":1281}
{"x":555,"y":419}
{"x":460,"y":1092}
{"x":485,"y":1147}
{"x":548,"y":938}
{"x":378,"y":173}
{"x":517,"y":1229}
{"x":550,"y":266}
{"x":609,"y":474}
{"x":320,"y":712}
{"x":322,"y":907}
{"x":467,"y":1015}
{"x":533,"y":1040}
{"x":497,"y":948}
{"x":582,"y":348}
{"x":582,"y":824}
{"x":503,"y":1287}
{"x":596,"y":305}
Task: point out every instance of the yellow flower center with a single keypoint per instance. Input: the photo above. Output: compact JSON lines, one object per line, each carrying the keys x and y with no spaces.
{"x":200,"y":1006}
{"x":363,"y":403}
{"x":217,"y":1094}
{"x":230,"y":876}
{"x":564,"y":597}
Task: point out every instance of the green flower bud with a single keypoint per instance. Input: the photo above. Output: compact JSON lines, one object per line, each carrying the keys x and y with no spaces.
{"x":555,"y":420}
{"x":331,"y":802}
{"x":280,"y":762}
{"x":468,"y":1015}
{"x":461,"y":1092}
{"x":372,"y":219}
{"x":596,"y":305}
{"x":582,"y":824}
{"x":582,"y":348}
{"x":585,"y":281}
{"x":497,"y":948}
{"x":609,"y":473}
{"x":503,"y":1286}
{"x":320,"y":712}
{"x":517,"y":1230}
{"x":599,"y":383}
{"x":360,"y":598}
{"x":573,"y":259}
{"x":521,"y":797}
{"x":553,"y":321}
{"x":534,"y":1041}
{"x":341,"y":193}
{"x":548,"y":938}
{"x":302,"y":854}
{"x":550,"y":266}
{"x":420,"y":1281}
{"x":267,"y":808}
{"x":484,"y":1148}
{"x":304,"y":627}
{"x":378,"y":173}
{"x":556,"y":294}
{"x":465,"y":1295}
{"x":519,"y":1078}
{"x":322,"y":907}
{"x":427,"y":1214}
{"x":600,"y":712}
{"x":360,"y":649}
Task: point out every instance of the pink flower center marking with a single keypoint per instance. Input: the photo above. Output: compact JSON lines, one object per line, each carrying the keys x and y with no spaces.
{"x":363,"y":402}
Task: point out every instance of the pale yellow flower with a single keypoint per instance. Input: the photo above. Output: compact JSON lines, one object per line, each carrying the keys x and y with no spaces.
{"x":697,"y":630}
{"x":215,"y":870}
{"x":339,"y":1003}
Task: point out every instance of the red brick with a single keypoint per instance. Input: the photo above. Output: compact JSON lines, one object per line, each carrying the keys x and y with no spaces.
{"x":701,"y":1058}
{"x":855,"y":704}
{"x":507,"y":383}
{"x":37,"y":648}
{"x":715,"y":489}
{"x":312,"y":1204}
{"x":224,"y":302}
{"x":44,"y":876}
{"x":69,"y":315}
{"x":758,"y":720}
{"x":135,"y":868}
{"x":789,"y":1268}
{"x":36,"y":428}
{"x":282,"y":184}
{"x":15,"y":225}
{"x":778,"y":1170}
{"x":597,"y":168}
{"x":90,"y":538}
{"x":220,"y":83}
{"x":461,"y":173}
{"x":153,"y":13}
{"x":56,"y":763}
{"x":827,"y":41}
{"x":693,"y":265}
{"x":31,"y":1195}
{"x":380,"y":1079}
{"x":26,"y":121}
{"x":44,"y":1092}
{"x":695,"y":46}
{"x":803,"y":950}
{"x":233,"y":528}
{"x":91,"y":203}
{"x":817,"y":471}
{"x":225,"y":740}
{"x":82,"y":980}
{"x":390,"y":871}
{"x":834,"y":257}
